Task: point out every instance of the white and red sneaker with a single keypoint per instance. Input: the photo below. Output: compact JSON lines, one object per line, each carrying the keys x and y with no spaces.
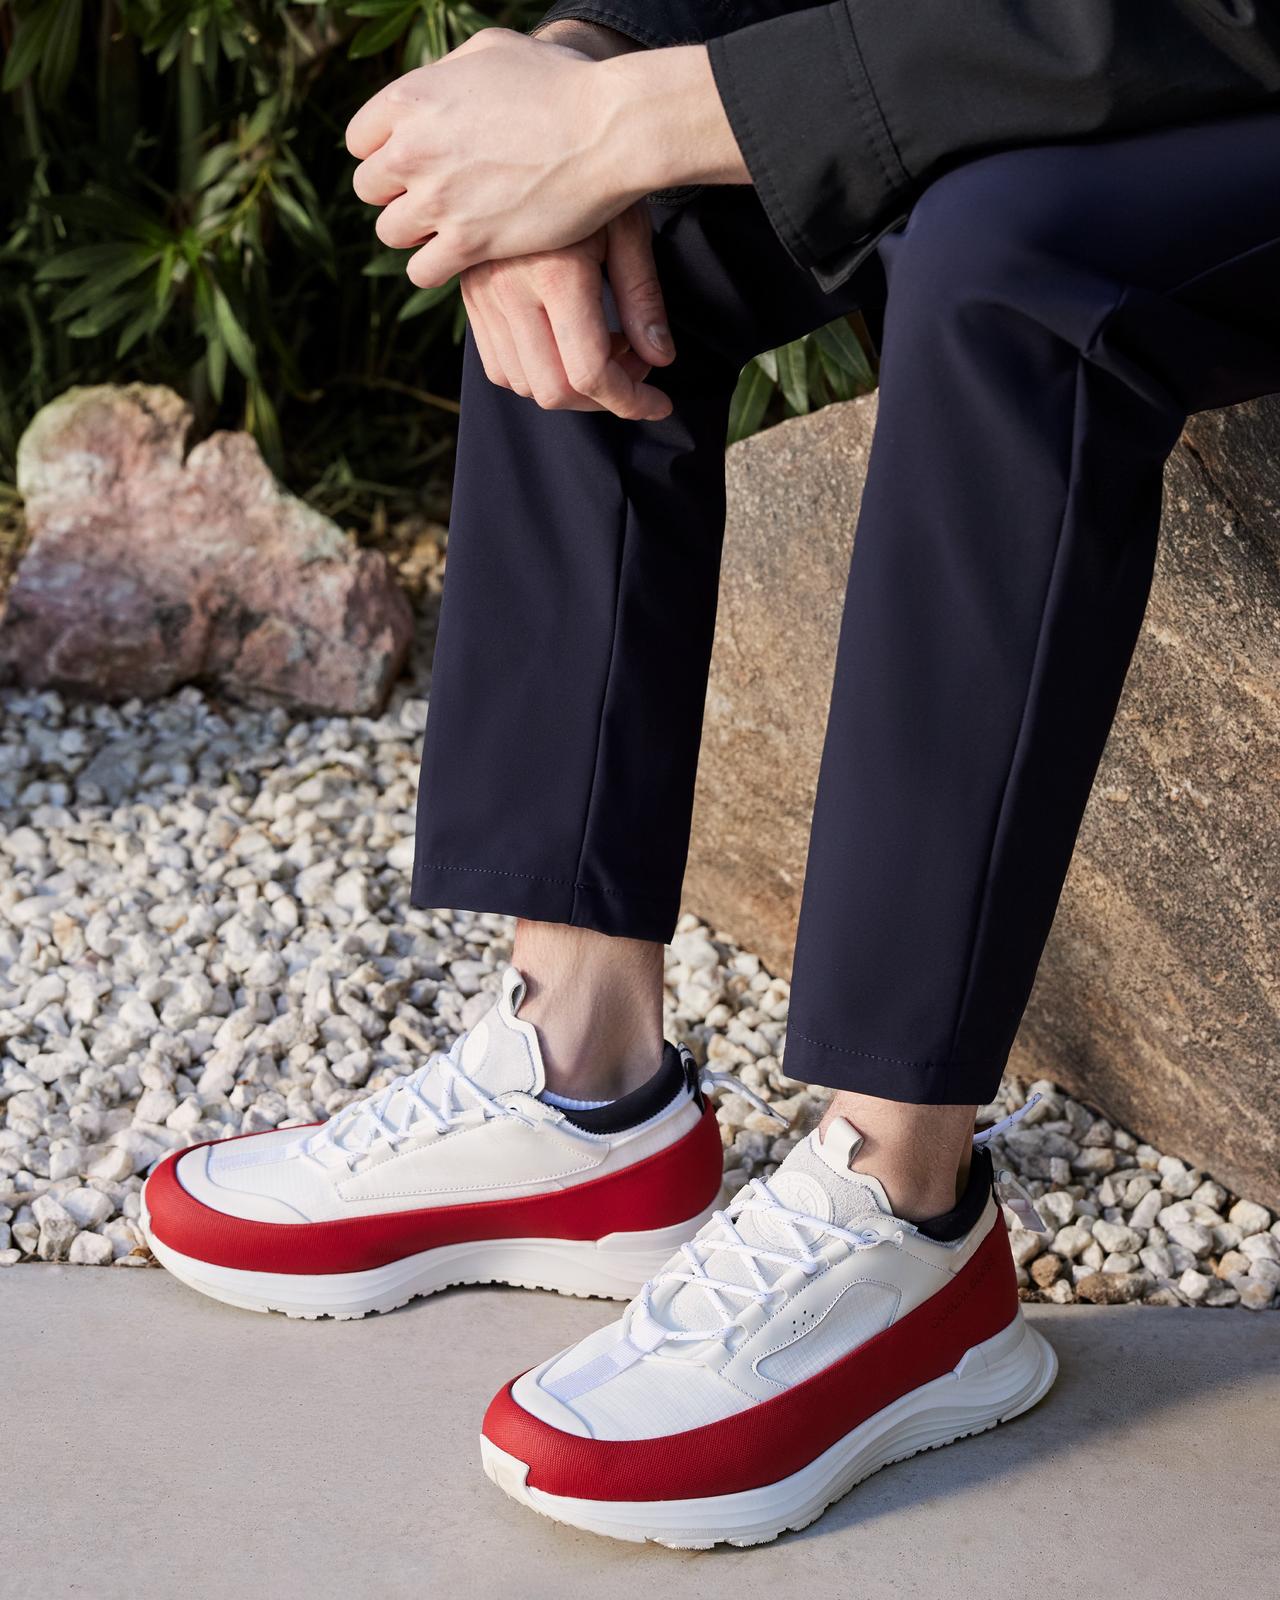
{"x":458,"y":1173}
{"x":804,"y":1339}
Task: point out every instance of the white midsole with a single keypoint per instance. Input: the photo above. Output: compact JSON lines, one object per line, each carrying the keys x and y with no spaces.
{"x":613,"y":1268}
{"x":995,"y":1380}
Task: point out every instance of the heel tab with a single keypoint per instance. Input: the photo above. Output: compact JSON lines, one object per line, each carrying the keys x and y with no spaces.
{"x":692,"y":1077}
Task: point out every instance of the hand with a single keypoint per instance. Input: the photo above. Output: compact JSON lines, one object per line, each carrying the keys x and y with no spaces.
{"x":510,"y":146}
{"x":539,"y":322}
{"x":492,"y":151}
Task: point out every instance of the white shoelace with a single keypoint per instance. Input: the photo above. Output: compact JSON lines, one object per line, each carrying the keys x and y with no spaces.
{"x":366,"y":1122}
{"x":711,"y":1081}
{"x":720,"y":1234}
{"x":1008,"y":1190}
{"x":757,"y":1196}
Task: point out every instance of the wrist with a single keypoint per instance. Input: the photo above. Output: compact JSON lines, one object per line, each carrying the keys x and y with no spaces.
{"x":662,"y":123}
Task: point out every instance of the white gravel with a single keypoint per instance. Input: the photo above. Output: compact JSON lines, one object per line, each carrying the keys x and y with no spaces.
{"x":204,"y":930}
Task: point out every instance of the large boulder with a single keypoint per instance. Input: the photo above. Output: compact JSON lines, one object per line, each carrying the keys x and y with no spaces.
{"x":1157,"y":1000}
{"x":150,"y":566}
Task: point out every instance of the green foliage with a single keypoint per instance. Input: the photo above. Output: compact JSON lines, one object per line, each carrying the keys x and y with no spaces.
{"x":177,"y":208}
{"x":830,"y":364}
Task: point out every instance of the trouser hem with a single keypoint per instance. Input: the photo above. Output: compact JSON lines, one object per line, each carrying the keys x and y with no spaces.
{"x":910,"y":1080}
{"x":545,"y":898}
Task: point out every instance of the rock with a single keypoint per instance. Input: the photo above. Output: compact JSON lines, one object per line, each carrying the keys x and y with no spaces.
{"x":1026,"y":1245}
{"x":90,"y":1250}
{"x":1191,"y":1236}
{"x":1266,"y":1271}
{"x":1094,"y":1161}
{"x":1046,"y":1270}
{"x":1155,"y":1000}
{"x":156,"y":1105}
{"x":1194,"y":1286}
{"x":1210,"y":1194}
{"x":57,"y":1228}
{"x":1112,"y":1236}
{"x":1057,"y":1207}
{"x":1249,"y":1217}
{"x":1257,"y":1296}
{"x":1072,"y":1241}
{"x":113,"y":1164}
{"x":149,"y":567}
{"x":1113,"y":1289}
{"x":1157,"y":1259}
{"x":1146,"y":1211}
{"x":793,"y":488}
{"x":1091,"y":1257}
{"x":89,"y":1208}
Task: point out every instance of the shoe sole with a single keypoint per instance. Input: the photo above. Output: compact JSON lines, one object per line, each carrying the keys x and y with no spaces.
{"x":612,"y":1268}
{"x":994,"y":1382}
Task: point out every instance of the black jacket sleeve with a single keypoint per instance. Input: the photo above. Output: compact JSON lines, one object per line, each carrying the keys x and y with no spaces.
{"x":657,"y":23}
{"x":844,"y":112}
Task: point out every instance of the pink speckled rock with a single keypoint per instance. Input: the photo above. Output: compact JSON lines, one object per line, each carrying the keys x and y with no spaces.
{"x":149,"y":568}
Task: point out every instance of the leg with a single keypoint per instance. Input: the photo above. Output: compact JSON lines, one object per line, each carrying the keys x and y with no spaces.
{"x":1052,"y":316}
{"x":575,"y":633}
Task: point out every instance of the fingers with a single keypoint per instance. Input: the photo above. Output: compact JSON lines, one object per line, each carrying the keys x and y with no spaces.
{"x":371,"y":126}
{"x":497,"y":349}
{"x":591,"y":371}
{"x":592,"y":359}
{"x":634,"y":281}
{"x":398,"y":223}
{"x":441,"y":258}
{"x":374,"y":184}
{"x":540,"y":329}
{"x":375,"y":121}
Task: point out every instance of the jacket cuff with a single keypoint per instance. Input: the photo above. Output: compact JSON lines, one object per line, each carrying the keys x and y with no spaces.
{"x":654,"y":25}
{"x":817,"y":146}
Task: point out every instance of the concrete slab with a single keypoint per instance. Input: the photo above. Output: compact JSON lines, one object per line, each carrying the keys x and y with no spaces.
{"x":155,"y":1444}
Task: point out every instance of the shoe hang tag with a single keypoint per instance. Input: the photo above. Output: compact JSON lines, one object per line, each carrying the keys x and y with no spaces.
{"x":1011,"y":1193}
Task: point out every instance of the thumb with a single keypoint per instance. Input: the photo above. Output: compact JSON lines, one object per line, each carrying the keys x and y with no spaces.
{"x":633,"y":277}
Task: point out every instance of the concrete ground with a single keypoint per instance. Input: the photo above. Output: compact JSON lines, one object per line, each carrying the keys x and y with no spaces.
{"x":154,"y":1444}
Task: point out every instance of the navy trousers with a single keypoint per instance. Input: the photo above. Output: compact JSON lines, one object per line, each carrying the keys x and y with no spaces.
{"x":1049,"y":318}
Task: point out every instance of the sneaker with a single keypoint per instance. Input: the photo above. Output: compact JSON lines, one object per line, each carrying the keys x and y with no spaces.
{"x":805,"y":1338}
{"x":461,"y":1172}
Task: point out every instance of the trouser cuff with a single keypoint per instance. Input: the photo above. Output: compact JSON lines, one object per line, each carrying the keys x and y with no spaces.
{"x":620,"y":912}
{"x":908,"y":1079}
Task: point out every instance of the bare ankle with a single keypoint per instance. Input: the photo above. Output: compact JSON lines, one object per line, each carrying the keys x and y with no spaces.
{"x":920,"y":1154}
{"x":596,"y":1003}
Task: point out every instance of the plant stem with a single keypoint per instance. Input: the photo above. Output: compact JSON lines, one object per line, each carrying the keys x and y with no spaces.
{"x":189,"y":109}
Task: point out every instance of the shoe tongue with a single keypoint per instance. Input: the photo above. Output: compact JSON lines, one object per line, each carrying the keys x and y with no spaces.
{"x":499,"y":1052}
{"x":814,"y":1179}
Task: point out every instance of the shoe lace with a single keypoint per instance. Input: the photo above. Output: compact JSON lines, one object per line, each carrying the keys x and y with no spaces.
{"x":715,"y":1082}
{"x":1008,"y":1190}
{"x":354,"y":1130}
{"x":721,"y":1235}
